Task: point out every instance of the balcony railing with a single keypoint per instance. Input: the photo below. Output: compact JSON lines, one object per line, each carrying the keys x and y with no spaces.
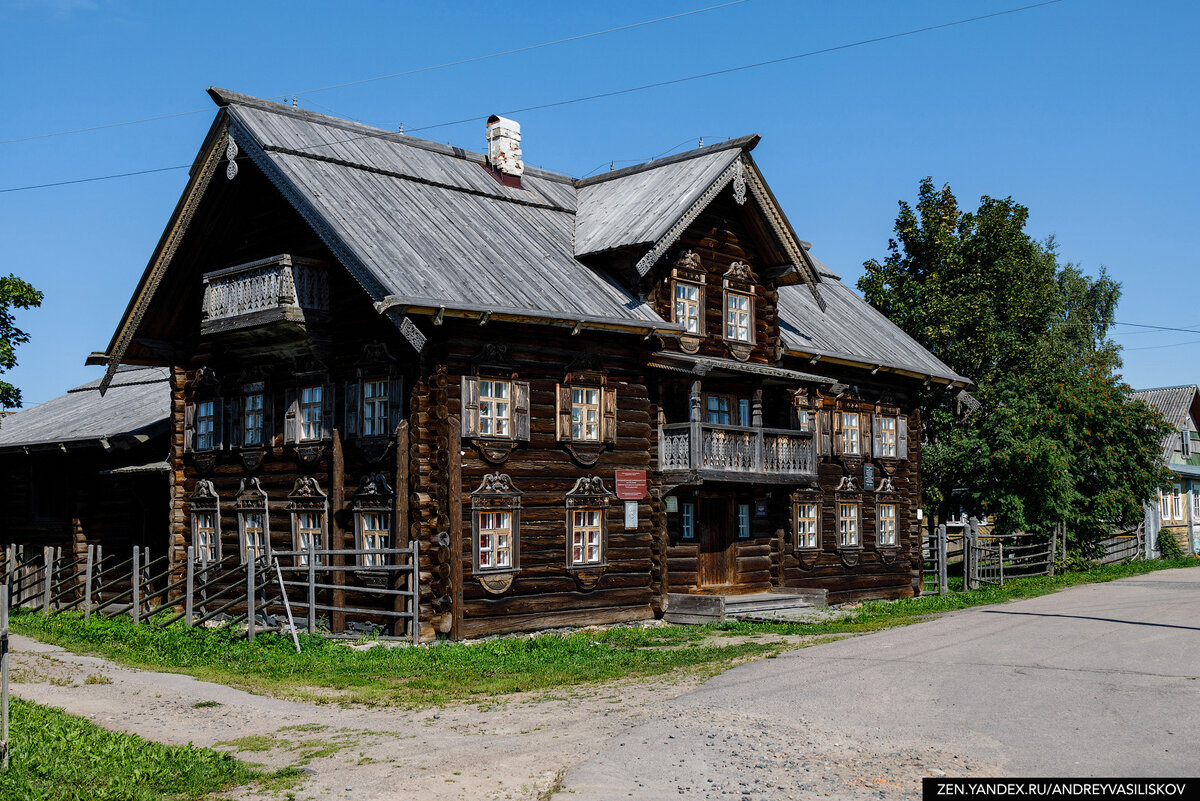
{"x":279,"y":288}
{"x":735,"y":451}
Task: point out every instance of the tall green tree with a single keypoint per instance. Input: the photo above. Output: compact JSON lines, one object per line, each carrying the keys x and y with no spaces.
{"x":14,"y":294}
{"x":1053,"y":438}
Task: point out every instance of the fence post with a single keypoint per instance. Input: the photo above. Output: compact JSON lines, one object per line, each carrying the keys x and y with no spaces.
{"x":48,"y":569}
{"x":943,"y":551}
{"x":1001,"y":563}
{"x":4,"y":677}
{"x":87,"y":582}
{"x":414,"y":601}
{"x":312,"y":588}
{"x":189,"y":583}
{"x":251,"y":566}
{"x":136,"y":574}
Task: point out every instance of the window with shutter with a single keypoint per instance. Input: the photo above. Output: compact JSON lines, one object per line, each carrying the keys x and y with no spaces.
{"x":353,"y":397}
{"x":902,"y":437}
{"x":189,"y":427}
{"x":395,"y":405}
{"x":291,"y":417}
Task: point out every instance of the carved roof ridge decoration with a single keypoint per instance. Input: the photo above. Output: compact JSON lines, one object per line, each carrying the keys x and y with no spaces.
{"x":497,"y":484}
{"x":590,"y":486}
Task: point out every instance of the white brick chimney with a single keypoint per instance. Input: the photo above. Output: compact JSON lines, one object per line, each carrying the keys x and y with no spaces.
{"x":504,"y":145}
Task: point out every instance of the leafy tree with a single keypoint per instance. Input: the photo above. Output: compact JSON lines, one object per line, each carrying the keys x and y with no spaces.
{"x":1054,"y":438}
{"x":14,"y":294}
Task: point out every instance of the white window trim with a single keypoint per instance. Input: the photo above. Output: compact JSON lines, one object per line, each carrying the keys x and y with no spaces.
{"x":895,"y":523}
{"x":303,"y":423}
{"x":857,"y":519}
{"x":378,"y":404}
{"x":688,"y":304}
{"x":855,"y":441}
{"x":736,"y":328}
{"x":801,"y":539}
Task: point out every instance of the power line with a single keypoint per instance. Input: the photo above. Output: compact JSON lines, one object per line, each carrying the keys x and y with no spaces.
{"x":643,"y":87}
{"x":413,"y":71}
{"x":1172,"y":345}
{"x":97,"y":178}
{"x":1161,"y":327}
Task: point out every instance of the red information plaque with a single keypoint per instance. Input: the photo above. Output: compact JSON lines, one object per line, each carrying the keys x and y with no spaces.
{"x":631,"y":484}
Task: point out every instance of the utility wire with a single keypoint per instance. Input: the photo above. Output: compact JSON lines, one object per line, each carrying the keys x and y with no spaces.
{"x":1161,"y":327}
{"x":413,"y":71}
{"x":643,"y":87}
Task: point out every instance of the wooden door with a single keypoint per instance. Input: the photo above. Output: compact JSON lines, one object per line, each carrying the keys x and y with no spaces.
{"x":716,"y":541}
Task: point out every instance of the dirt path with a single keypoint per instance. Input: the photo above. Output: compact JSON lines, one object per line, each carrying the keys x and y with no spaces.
{"x":517,"y":749}
{"x":514,"y":749}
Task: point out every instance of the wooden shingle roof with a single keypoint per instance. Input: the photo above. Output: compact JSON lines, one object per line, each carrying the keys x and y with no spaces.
{"x":137,"y":404}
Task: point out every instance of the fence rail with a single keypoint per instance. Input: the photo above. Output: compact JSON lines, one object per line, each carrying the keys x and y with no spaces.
{"x":199,"y":591}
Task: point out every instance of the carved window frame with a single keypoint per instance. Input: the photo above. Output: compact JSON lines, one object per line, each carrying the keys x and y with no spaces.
{"x":900,"y":434}
{"x":204,"y":389}
{"x":839,"y":502}
{"x":739,"y":280}
{"x":307,"y":497}
{"x":895,"y":518}
{"x":588,"y":495}
{"x":801,"y":498}
{"x":253,"y":389}
{"x":689,"y":270}
{"x":252,"y":499}
{"x":373,"y":497}
{"x":496,"y":493}
{"x":495,"y":365}
{"x":583,"y":378}
{"x":205,"y":501}
{"x":376,"y":365}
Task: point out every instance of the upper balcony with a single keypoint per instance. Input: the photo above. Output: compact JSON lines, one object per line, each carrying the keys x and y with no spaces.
{"x":696,"y":451}
{"x":282,"y":288}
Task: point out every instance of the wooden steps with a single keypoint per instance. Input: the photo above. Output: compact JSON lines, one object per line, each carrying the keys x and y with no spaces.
{"x":783,"y":605}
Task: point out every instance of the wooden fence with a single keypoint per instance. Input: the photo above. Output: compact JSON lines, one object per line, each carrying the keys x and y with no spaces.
{"x":1122,"y":546}
{"x":228,"y":591}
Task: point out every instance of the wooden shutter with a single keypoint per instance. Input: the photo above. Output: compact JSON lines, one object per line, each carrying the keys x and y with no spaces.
{"x":864,"y":434}
{"x":291,"y":418}
{"x":470,"y":406}
{"x":520,"y":413}
{"x":327,"y":411}
{"x":902,"y":437}
{"x":824,"y":437}
{"x":836,"y":432}
{"x":877,"y":435}
{"x":236,"y":405}
{"x":395,"y":404}
{"x":562,"y":411}
{"x":353,"y":407}
{"x":189,"y":427}
{"x":220,"y":414}
{"x":268,"y":420}
{"x":609,"y":412}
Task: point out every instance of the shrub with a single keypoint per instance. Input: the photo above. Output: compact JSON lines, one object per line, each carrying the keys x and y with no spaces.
{"x":1168,"y":546}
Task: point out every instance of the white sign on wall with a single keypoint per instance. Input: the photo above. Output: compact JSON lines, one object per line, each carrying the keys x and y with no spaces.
{"x":631,"y":521}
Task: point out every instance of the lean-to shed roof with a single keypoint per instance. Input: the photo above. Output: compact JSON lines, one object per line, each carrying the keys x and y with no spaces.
{"x":137,"y":404}
{"x":1175,"y":403}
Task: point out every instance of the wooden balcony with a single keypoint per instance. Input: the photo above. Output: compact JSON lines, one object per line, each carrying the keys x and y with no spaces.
{"x":279,"y":289}
{"x":691,"y":452}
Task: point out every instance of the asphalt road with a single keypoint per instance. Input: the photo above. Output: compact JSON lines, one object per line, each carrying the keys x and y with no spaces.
{"x":1098,"y":680}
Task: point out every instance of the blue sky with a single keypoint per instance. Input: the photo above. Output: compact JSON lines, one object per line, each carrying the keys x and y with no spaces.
{"x":1085,"y":111}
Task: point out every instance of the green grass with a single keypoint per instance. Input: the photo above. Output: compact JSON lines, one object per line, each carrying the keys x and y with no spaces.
{"x":446,"y":672}
{"x":59,"y":757}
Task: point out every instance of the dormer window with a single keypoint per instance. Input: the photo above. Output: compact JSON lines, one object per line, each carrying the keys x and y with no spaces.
{"x":737,"y":317}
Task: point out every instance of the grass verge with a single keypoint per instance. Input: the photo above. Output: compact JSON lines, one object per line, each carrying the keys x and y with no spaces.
{"x":59,"y":757}
{"x":445,"y":672}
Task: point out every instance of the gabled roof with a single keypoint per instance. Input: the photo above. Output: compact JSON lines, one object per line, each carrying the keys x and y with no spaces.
{"x":852,"y":330}
{"x":430,"y":224}
{"x":637,"y":205}
{"x":136,"y":406}
{"x":1175,"y":404}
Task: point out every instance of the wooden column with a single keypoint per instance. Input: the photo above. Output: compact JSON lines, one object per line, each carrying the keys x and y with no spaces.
{"x":338,"y":504}
{"x":694,"y":442}
{"x":403,"y":536}
{"x":454,"y":499}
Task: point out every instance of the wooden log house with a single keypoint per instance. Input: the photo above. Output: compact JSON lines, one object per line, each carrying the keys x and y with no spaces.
{"x":582,"y":397}
{"x":1178,"y":509}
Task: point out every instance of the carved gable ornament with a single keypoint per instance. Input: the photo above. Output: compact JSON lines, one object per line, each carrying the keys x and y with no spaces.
{"x":497,"y":484}
{"x":204,"y":496}
{"x":250,"y":495}
{"x":306,"y":494}
{"x":373,"y":494}
{"x":740,"y":272}
{"x":589,"y":491}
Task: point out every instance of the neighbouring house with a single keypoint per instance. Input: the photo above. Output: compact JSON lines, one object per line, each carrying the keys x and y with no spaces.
{"x":1178,"y":509}
{"x":85,"y":468}
{"x":583,"y":397}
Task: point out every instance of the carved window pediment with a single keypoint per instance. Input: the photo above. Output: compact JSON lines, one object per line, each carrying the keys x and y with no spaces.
{"x":496,"y":531}
{"x":373,"y":494}
{"x":307,"y":494}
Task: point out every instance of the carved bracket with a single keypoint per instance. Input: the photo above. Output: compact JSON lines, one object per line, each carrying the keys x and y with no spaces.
{"x":205,"y":461}
{"x":738,"y":351}
{"x":850,"y":556}
{"x":494,"y":451}
{"x":497,"y":584}
{"x":309,"y":455}
{"x":252,"y":458}
{"x":586,"y":454}
{"x":808,"y":559}
{"x":587,"y":579}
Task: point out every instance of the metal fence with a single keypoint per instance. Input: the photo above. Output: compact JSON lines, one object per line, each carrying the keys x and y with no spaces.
{"x":230,"y":591}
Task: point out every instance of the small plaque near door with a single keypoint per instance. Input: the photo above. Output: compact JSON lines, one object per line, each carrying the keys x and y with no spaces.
{"x":672,"y":504}
{"x":631,"y":515}
{"x":869,"y":477}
